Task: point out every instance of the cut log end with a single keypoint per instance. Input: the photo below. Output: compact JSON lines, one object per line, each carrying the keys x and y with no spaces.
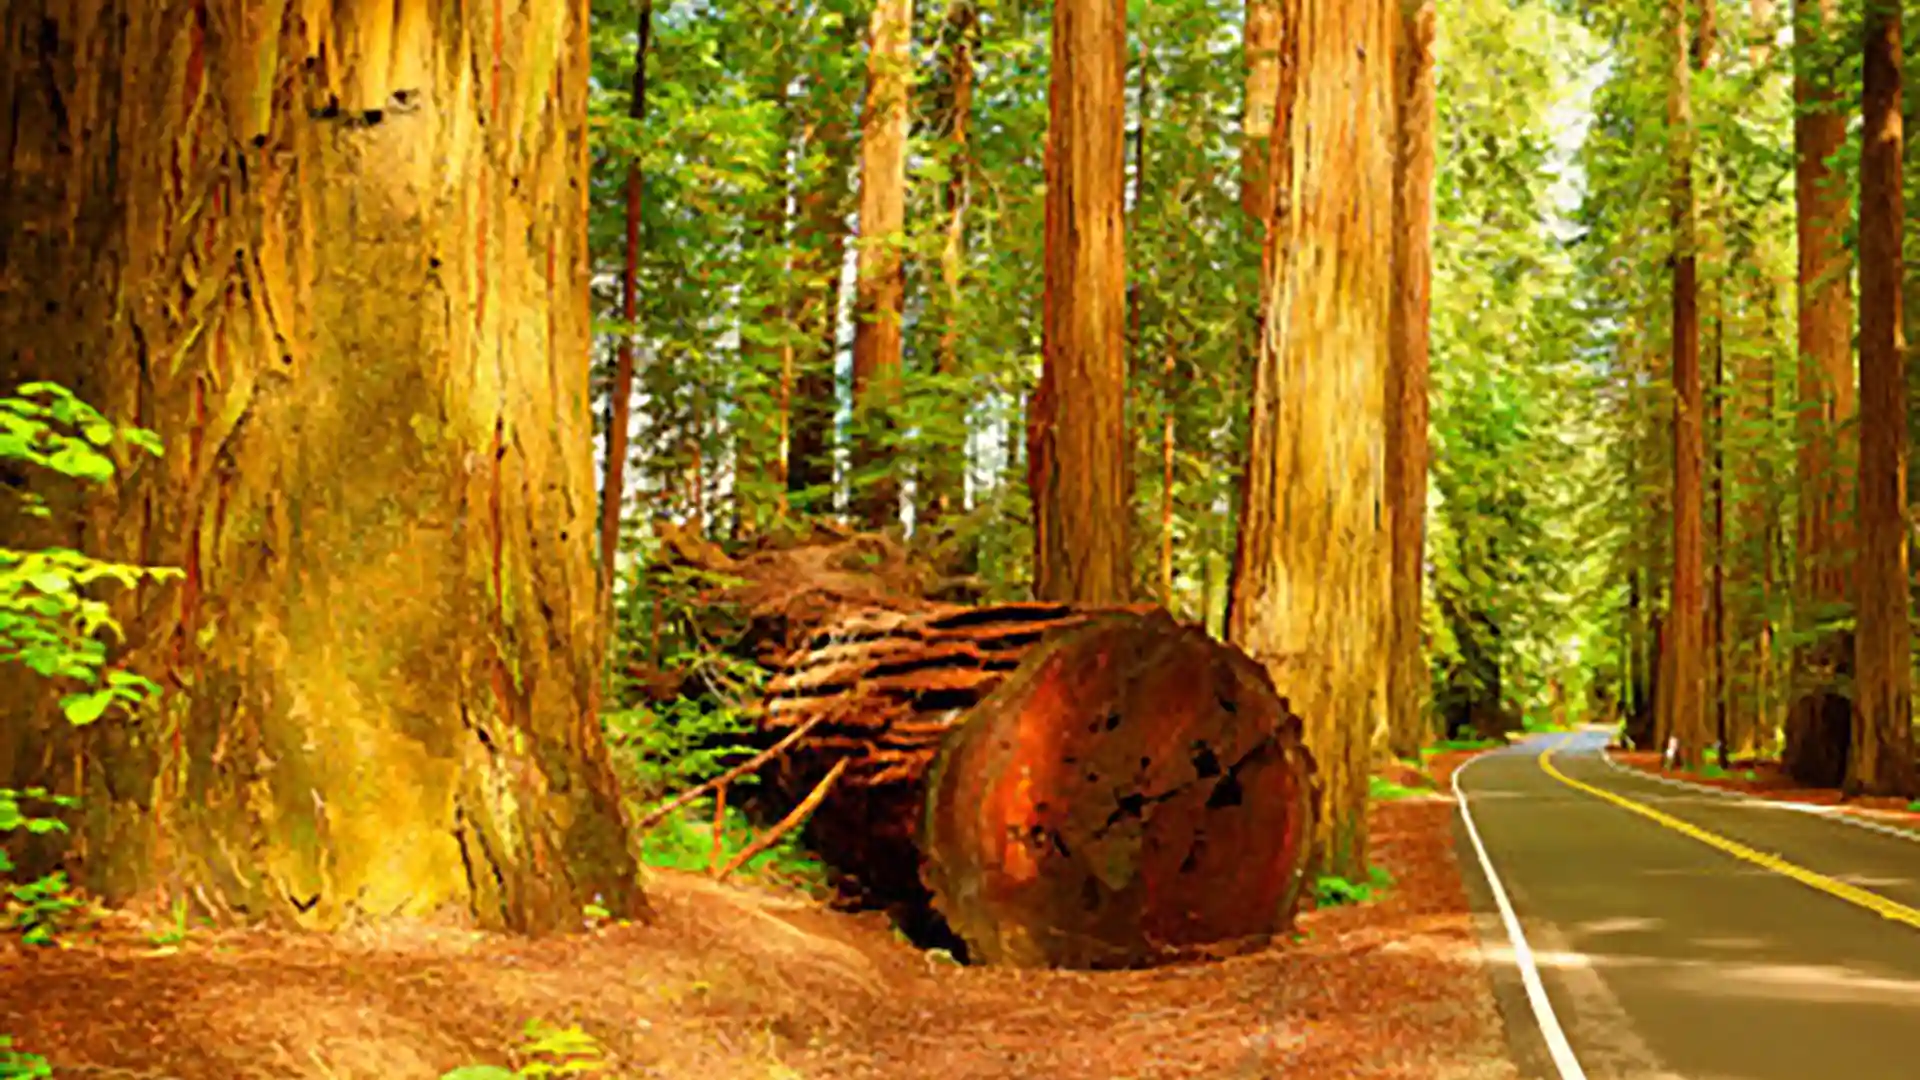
{"x":1135,"y":792}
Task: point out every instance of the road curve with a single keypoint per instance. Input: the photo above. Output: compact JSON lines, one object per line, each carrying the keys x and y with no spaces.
{"x":1664,"y":957}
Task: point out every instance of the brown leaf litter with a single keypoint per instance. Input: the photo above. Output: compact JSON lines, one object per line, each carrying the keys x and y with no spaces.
{"x":736,"y":982}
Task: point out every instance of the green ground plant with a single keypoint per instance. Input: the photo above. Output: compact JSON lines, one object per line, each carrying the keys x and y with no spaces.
{"x":1333,"y":891}
{"x":54,"y":622}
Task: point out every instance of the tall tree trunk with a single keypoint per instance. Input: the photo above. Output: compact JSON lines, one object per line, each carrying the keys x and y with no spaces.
{"x":1827,"y":399}
{"x":1077,"y":440}
{"x":820,"y":249}
{"x":1687,"y":720}
{"x":760,"y":438}
{"x":1310,"y":583}
{"x":881,"y":288}
{"x":945,"y":485}
{"x":1406,"y":457}
{"x":1167,"y":447}
{"x":338,"y":263}
{"x":1881,"y":762}
{"x":620,"y":394}
{"x":1749,"y":577}
{"x":1712,"y":297}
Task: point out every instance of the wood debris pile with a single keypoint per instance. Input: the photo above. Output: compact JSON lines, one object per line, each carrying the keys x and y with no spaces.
{"x":875,"y":679}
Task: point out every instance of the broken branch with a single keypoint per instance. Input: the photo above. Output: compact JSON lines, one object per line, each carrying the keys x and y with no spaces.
{"x":787,"y":824}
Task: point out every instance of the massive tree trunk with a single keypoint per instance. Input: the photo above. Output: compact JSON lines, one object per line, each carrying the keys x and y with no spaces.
{"x":338,"y":263}
{"x":1686,"y":701}
{"x":1310,"y":574}
{"x":1077,"y":440}
{"x":1881,"y":762}
{"x":1406,"y":458}
{"x":881,"y":288}
{"x":1826,"y":437}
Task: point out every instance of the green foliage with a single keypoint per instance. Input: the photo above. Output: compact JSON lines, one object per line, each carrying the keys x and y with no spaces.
{"x":663,"y":748}
{"x":1332,"y":891}
{"x":1384,"y":790}
{"x":548,"y":1051}
{"x":19,"y":1065}
{"x":53,"y":622}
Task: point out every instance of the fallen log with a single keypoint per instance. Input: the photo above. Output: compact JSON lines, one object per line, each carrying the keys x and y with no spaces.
{"x":1134,"y":792}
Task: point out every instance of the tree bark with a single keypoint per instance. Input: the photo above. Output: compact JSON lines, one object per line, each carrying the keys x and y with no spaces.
{"x":338,"y":263}
{"x":1824,"y":543}
{"x":1881,"y":762}
{"x":1309,"y":589}
{"x":1406,"y":458}
{"x":1077,"y":440}
{"x":1686,"y":699}
{"x":1263,"y":87}
{"x":881,"y":288}
{"x":620,"y":394}
{"x":1749,"y":647}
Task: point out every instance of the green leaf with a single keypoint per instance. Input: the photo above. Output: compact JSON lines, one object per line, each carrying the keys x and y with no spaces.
{"x":84,"y":709}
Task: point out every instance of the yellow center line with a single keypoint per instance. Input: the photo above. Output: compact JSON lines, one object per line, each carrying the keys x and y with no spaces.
{"x":1852,"y":894}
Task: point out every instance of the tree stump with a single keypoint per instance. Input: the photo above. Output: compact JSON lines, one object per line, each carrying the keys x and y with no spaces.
{"x":1134,"y":792}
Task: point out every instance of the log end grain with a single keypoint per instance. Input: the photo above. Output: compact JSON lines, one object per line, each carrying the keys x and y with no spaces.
{"x":1134,"y":792}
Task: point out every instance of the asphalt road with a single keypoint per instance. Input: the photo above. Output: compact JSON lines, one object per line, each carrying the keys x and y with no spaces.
{"x":1664,"y":957}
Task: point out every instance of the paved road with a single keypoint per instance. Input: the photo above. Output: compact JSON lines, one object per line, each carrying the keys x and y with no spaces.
{"x":1666,"y":958}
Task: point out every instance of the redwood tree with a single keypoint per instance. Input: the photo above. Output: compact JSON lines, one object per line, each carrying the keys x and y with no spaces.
{"x":335,"y":256}
{"x":1406,"y":458}
{"x":881,"y":287}
{"x":620,"y":394}
{"x":1685,"y":717}
{"x":1881,"y":761}
{"x":1827,"y":400}
{"x":1077,"y":439}
{"x":1309,"y":582}
{"x":943,"y":476}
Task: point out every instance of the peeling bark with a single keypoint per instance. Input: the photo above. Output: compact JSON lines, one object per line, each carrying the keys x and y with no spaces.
{"x":1077,"y":439}
{"x":1827,"y":442}
{"x":881,"y":289}
{"x":1262,"y":47}
{"x":1309,"y":590}
{"x":1406,"y":455}
{"x":1881,"y":762}
{"x":334,"y":253}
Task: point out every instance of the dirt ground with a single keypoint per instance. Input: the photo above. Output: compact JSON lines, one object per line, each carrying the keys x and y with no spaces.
{"x":1769,"y":780}
{"x":737,"y":982}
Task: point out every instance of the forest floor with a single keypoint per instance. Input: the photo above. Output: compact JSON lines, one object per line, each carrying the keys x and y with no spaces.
{"x":1768,"y":779}
{"x":740,"y":982}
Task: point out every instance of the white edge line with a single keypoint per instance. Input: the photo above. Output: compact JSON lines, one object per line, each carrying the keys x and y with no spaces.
{"x":1557,"y":1046}
{"x":1831,"y":813}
